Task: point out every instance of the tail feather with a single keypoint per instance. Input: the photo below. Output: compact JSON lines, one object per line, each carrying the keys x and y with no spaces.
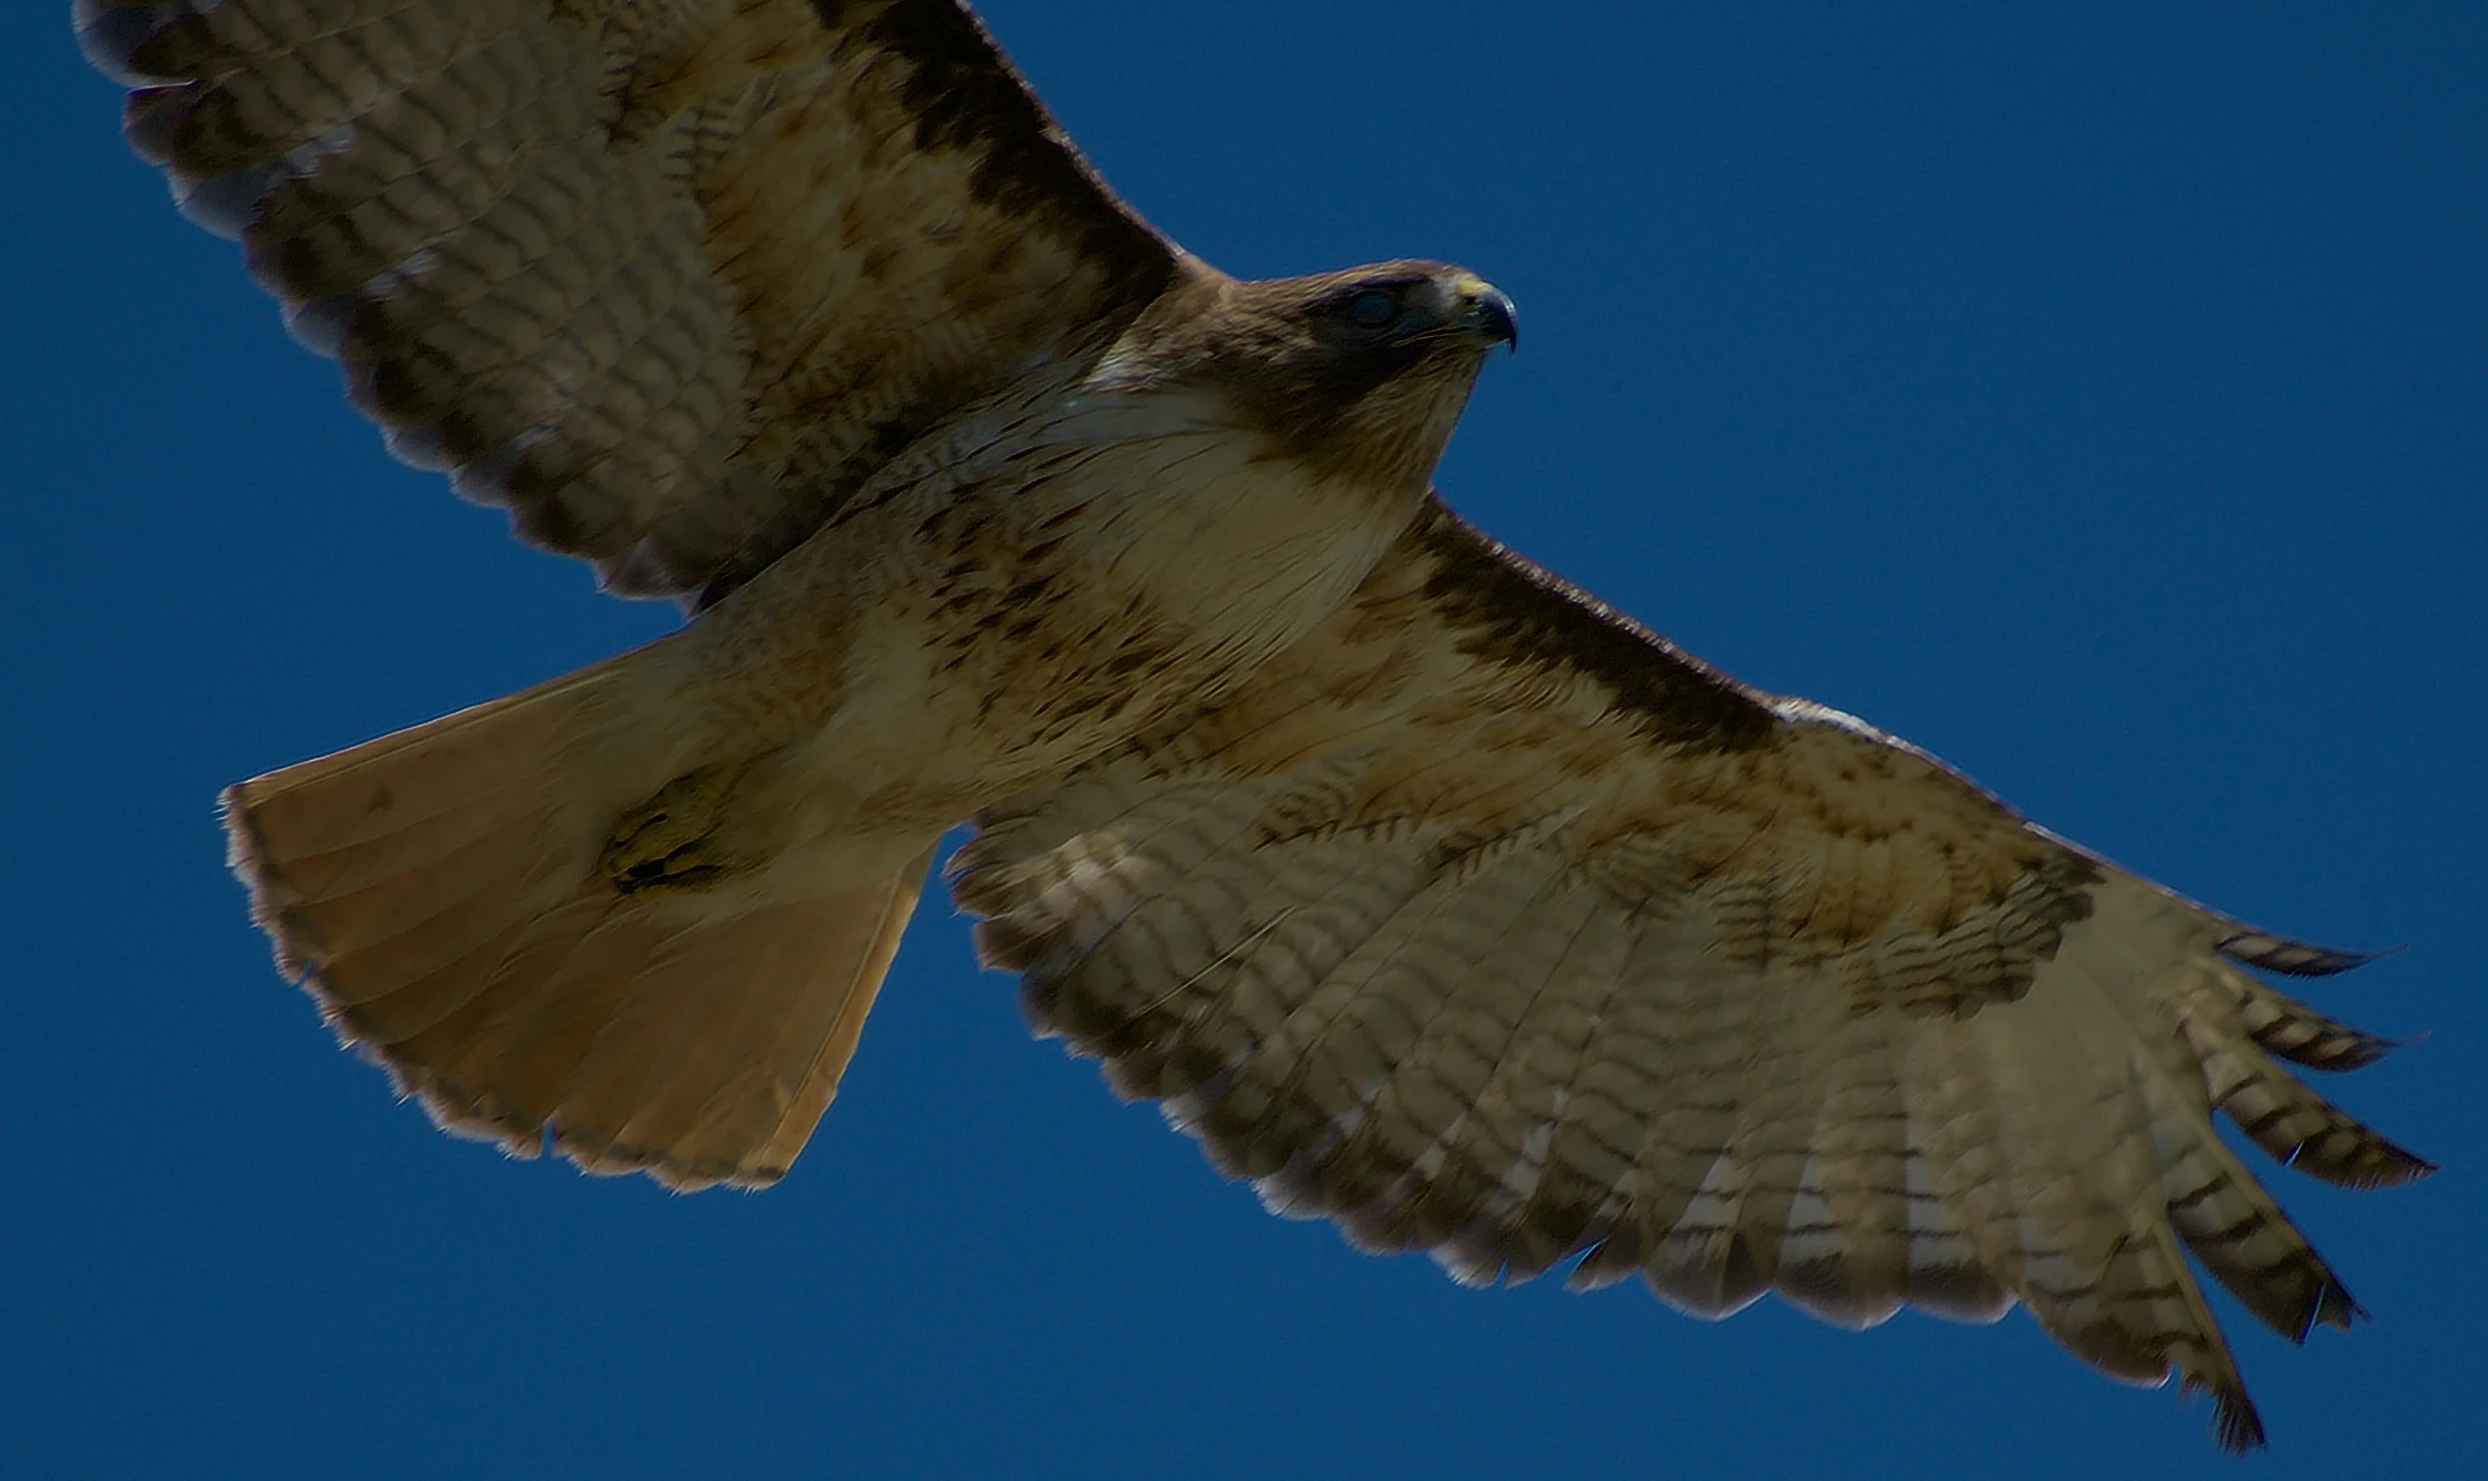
{"x":447,"y":920}
{"x":439,"y":772}
{"x":707,"y":1084}
{"x":441,"y":894}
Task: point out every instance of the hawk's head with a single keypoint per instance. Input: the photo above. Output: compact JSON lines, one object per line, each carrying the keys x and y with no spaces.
{"x":1361,"y":373}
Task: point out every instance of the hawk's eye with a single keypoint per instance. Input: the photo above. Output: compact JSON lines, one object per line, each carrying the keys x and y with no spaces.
{"x":1370,"y":308}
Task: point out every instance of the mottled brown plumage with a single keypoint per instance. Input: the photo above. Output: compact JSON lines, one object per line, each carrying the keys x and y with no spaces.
{"x":1429,"y":893}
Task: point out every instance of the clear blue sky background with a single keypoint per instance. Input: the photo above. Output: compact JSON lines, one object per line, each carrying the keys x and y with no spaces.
{"x":2096,"y":395}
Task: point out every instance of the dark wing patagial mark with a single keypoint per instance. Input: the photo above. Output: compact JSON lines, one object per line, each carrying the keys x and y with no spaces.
{"x":967,"y":97}
{"x":668,"y":283}
{"x":1509,"y":610}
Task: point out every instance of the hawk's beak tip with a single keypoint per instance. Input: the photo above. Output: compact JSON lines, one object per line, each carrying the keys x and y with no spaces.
{"x":1497,"y":320}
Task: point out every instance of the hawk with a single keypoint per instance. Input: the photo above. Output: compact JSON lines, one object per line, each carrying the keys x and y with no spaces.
{"x":1427,"y":892}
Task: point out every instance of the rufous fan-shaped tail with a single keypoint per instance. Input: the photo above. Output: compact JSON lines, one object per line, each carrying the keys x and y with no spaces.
{"x":449,"y":896}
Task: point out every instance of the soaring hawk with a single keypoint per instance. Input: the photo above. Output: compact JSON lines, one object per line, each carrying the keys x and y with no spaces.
{"x":1424,"y":890}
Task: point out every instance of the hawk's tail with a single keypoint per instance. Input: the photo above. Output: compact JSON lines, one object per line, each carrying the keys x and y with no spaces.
{"x":447,"y":895}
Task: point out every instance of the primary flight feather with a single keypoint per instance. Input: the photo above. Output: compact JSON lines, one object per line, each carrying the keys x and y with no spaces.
{"x":1427,"y":892}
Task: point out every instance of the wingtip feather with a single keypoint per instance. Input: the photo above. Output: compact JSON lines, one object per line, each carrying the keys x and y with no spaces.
{"x":2294,"y":958}
{"x":2236,"y":1423}
{"x":111,"y":36}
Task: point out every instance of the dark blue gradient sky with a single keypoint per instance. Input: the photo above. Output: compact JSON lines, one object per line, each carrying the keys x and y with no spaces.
{"x":2096,"y":395}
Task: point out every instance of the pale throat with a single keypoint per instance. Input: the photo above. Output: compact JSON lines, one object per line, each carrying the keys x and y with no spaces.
{"x":1219,"y":526}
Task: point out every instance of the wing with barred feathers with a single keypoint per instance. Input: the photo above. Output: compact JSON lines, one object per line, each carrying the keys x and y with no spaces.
{"x":1486,"y":923}
{"x":667,"y":278}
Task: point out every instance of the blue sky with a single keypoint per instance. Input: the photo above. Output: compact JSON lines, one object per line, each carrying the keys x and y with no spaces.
{"x":2097,"y":396}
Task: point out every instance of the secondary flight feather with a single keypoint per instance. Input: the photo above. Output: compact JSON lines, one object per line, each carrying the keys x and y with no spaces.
{"x":1426,"y":891}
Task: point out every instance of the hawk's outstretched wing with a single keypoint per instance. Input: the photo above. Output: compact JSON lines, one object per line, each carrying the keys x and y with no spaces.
{"x":1486,"y":923}
{"x":668,"y":278}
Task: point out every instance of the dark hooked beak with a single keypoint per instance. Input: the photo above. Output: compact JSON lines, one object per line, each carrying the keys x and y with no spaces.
{"x":1492,"y":319}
